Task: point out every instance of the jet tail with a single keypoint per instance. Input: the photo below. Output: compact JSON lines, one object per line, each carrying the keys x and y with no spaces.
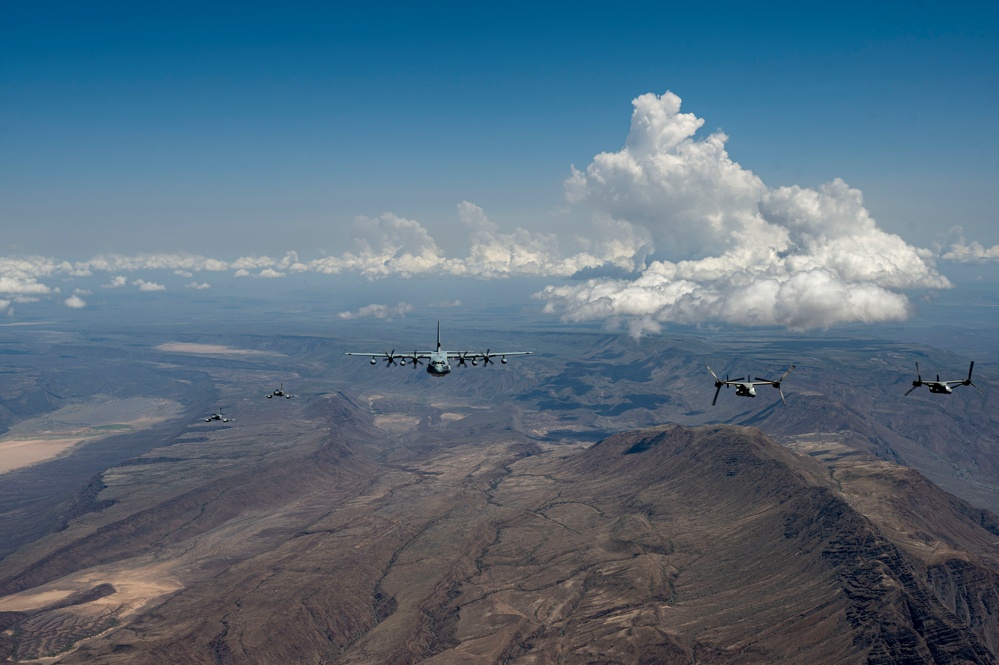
{"x":438,"y":335}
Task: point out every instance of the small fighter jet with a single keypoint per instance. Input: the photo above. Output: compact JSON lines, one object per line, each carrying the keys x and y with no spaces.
{"x":218,"y":416}
{"x":280,"y":393}
{"x":943,"y":387}
{"x":437,"y":361}
{"x":746,"y":388}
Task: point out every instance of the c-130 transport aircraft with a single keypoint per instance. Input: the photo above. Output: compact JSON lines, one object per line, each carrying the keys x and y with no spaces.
{"x":437,"y":361}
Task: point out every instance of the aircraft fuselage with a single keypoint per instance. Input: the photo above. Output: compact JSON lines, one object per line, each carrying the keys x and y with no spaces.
{"x":437,"y":364}
{"x":744,"y":390}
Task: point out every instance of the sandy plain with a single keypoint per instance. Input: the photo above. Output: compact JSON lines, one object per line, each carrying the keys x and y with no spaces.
{"x":210,"y":349}
{"x":134,"y":587}
{"x":44,"y":438}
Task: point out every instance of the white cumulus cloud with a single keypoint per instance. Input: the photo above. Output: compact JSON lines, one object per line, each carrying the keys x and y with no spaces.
{"x":727,"y":247}
{"x":174,"y":262}
{"x":388,"y":245}
{"x":148,"y":286}
{"x":378,"y":311}
{"x":960,"y":250}
{"x":75,"y":302}
{"x":524,"y":253}
{"x":20,"y":276}
{"x":117,"y":282}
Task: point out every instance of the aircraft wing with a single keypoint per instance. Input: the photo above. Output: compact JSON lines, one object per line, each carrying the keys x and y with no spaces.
{"x":385,"y":354}
{"x":486,"y":358}
{"x":390,"y":357}
{"x":469,"y":355}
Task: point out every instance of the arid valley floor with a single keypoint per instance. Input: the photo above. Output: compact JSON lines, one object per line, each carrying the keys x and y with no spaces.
{"x":585,"y":504}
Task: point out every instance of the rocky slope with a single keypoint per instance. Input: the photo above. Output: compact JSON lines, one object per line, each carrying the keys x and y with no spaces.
{"x":458,"y":540}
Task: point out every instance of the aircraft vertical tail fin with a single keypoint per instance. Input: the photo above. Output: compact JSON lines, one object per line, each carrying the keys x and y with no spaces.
{"x":438,"y":335}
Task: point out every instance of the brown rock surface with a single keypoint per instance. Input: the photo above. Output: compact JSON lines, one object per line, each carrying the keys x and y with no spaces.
{"x":350,"y":544}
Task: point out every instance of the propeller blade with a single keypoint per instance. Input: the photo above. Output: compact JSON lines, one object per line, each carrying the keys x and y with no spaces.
{"x":970,"y":367}
{"x":718,"y":382}
{"x":914,"y":386}
{"x":717,"y":390}
{"x":785,"y":374}
{"x":918,"y":376}
{"x":486,"y":358}
{"x":783,"y":401}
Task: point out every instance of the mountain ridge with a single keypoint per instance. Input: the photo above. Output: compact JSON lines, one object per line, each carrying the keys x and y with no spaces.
{"x":667,"y":544}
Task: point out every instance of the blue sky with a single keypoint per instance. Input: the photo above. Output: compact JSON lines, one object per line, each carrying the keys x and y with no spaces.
{"x":246,"y":129}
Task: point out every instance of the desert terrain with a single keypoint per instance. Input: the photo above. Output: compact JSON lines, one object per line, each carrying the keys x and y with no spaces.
{"x":555,"y":509}
{"x":39,"y":439}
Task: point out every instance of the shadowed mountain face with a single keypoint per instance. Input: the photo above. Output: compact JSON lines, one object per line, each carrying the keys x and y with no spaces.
{"x":352,"y":539}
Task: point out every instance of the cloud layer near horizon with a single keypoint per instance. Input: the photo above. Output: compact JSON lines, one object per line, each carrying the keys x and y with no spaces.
{"x":386,"y":246}
{"x":960,"y":250}
{"x":690,"y":236}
